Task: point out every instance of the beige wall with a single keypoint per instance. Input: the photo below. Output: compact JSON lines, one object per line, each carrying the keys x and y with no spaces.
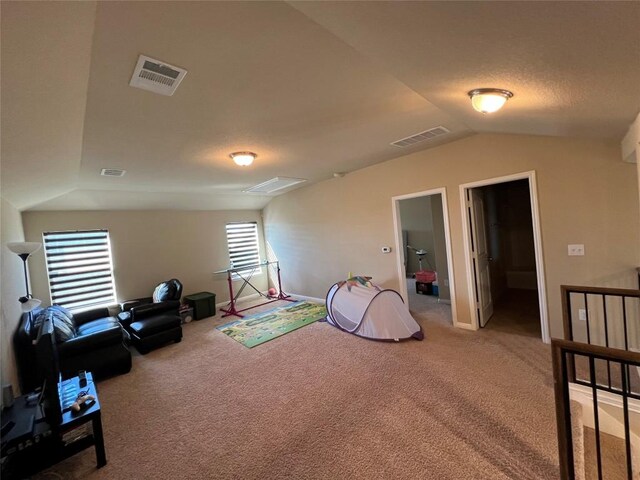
{"x":417,"y":220}
{"x":586,"y":195}
{"x":149,"y":247}
{"x":12,"y":288}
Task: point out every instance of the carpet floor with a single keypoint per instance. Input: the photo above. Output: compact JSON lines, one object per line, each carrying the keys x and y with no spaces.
{"x":322,"y":404}
{"x":428,"y":305}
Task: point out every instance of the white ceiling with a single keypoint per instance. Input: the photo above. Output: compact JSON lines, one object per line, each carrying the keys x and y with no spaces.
{"x":312,"y":87}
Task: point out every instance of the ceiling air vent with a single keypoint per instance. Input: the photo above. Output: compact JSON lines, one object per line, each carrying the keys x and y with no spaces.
{"x":420,"y":137}
{"x":156,"y":76}
{"x":273,"y":185}
{"x":112,"y":172}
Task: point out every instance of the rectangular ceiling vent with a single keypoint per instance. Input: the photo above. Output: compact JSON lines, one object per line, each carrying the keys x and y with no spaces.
{"x":112,"y":172}
{"x":156,"y":76}
{"x":420,"y":137}
{"x":273,"y":185}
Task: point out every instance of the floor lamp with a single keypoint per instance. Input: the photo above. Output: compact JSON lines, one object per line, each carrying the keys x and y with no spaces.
{"x":24,"y":250}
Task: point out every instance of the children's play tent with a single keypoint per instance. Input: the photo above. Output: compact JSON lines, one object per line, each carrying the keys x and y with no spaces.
{"x":357,"y":306}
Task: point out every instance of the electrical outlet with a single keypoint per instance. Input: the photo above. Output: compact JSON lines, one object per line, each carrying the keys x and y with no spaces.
{"x":582,"y":314}
{"x":446,"y":282}
{"x":576,"y":250}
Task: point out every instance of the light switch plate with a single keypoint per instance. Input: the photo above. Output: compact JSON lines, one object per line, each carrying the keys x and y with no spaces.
{"x":576,"y":250}
{"x":386,"y":249}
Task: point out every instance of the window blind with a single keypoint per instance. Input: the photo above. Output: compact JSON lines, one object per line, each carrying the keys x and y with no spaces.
{"x":80,"y":268}
{"x":242,"y":239}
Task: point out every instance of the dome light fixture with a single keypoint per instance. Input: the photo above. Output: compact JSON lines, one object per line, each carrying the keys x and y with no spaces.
{"x":244,"y":159}
{"x":489,"y":100}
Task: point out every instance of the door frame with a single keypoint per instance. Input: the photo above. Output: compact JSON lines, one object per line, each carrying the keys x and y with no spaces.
{"x":537,"y":241}
{"x":397,"y":223}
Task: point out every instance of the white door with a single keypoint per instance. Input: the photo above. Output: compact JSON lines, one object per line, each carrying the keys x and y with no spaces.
{"x":480,"y":256}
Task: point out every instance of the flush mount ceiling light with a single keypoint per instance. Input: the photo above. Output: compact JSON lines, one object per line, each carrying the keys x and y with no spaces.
{"x":489,"y":100}
{"x":243,"y":159}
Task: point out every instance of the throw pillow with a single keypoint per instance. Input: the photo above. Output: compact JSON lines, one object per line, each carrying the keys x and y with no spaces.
{"x":63,"y":326}
{"x":62,"y":329}
{"x":164,"y":291}
{"x":36,"y":322}
{"x":63,"y":311}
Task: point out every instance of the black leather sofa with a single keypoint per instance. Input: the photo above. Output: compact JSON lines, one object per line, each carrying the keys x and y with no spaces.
{"x":96,"y":343}
{"x":154,"y":321}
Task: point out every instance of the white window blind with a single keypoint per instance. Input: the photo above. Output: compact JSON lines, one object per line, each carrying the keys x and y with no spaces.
{"x":242,"y":239}
{"x":80,"y":269}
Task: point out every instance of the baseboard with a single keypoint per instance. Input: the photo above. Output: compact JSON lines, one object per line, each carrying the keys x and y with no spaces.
{"x":604,"y":397}
{"x":304,"y":297}
{"x":611,"y":412}
{"x":251,"y":296}
{"x":254,"y":296}
{"x":464,"y":326}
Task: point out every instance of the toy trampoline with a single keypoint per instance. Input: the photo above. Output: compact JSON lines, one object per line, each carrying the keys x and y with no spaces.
{"x":357,"y":306}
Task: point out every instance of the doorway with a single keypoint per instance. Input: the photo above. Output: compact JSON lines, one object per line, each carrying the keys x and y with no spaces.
{"x":504,"y":256}
{"x":424,"y":254}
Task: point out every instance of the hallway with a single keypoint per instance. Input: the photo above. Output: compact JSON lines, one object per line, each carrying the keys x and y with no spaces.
{"x":428,"y":305}
{"x":517,"y":311}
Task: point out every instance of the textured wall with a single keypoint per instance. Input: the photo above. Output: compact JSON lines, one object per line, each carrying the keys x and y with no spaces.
{"x":586,"y":195}
{"x":417,"y":220}
{"x":149,"y":247}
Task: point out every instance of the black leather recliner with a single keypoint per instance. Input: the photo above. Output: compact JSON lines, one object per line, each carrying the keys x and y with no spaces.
{"x":93,"y":341}
{"x":154,"y":321}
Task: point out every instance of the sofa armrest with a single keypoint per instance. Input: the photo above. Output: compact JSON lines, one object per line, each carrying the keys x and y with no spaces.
{"x":129,"y":304}
{"x":124,"y":318}
{"x":84,"y":317}
{"x":91,"y":341}
{"x":145,"y":311}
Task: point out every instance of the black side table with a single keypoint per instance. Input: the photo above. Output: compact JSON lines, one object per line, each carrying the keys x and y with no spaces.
{"x":34,"y":445}
{"x":71,"y":420}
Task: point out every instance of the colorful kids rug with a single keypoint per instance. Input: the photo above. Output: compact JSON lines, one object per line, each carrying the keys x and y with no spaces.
{"x":261,"y":327}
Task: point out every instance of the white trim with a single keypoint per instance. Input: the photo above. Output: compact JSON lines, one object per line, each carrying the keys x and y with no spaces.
{"x":537,"y":240}
{"x":631,"y":142}
{"x":610,"y":414}
{"x":253,"y":296}
{"x":305,"y":297}
{"x":402,"y":274}
{"x":604,"y":397}
{"x":466,"y":326}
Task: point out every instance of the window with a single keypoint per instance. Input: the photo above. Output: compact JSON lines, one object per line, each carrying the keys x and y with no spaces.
{"x":79,"y":268}
{"x":242,"y":239}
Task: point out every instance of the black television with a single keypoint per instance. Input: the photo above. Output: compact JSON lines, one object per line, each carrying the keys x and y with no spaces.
{"x":49,"y":371}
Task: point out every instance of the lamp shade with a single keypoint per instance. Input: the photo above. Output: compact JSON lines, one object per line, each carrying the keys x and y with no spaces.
{"x":24,"y":248}
{"x":489,"y":100}
{"x":29,"y":304}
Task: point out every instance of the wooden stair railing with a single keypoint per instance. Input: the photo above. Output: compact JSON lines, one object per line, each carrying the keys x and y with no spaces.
{"x":562,"y":352}
{"x":601,"y":359}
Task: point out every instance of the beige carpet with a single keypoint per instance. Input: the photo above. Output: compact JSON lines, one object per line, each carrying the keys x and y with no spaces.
{"x":322,"y":404}
{"x":613,"y":455}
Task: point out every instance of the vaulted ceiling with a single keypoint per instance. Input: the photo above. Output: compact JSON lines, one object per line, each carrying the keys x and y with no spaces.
{"x":312,"y":87}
